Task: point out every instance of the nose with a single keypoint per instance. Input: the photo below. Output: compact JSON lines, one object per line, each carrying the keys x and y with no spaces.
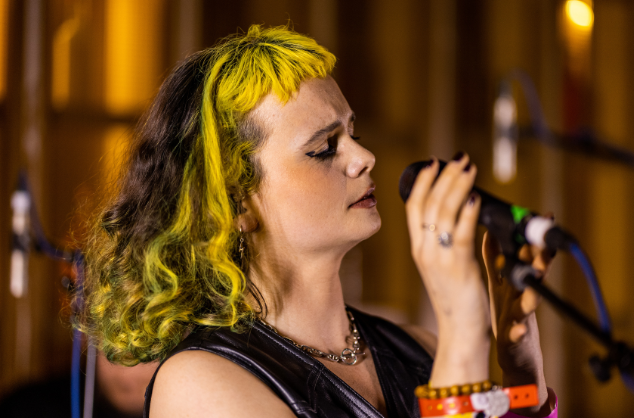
{"x":361,"y":160}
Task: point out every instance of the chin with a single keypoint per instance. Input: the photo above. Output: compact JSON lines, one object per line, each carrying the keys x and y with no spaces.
{"x":370,"y":226}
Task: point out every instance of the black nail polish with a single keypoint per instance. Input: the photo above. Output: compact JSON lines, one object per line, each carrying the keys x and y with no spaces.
{"x":467,"y":168}
{"x":458,"y":156}
{"x":472,"y":198}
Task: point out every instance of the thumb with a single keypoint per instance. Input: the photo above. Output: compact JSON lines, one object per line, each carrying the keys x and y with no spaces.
{"x":490,"y":252}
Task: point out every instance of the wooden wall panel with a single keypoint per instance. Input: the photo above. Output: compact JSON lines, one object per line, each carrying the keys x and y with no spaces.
{"x":422,"y":77}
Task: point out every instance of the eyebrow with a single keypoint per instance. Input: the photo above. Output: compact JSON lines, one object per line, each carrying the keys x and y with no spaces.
{"x":331,"y":127}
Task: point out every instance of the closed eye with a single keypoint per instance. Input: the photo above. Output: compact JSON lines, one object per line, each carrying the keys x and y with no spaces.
{"x":327,"y":153}
{"x":330,"y":151}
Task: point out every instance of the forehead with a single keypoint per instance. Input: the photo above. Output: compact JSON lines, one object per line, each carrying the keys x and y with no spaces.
{"x":317,"y":103}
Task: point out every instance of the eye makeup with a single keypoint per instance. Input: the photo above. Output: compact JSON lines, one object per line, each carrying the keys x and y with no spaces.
{"x":330,"y":151}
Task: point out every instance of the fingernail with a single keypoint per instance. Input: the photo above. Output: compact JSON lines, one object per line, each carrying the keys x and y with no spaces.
{"x":458,"y":156}
{"x":467,"y":168}
{"x":472,"y":198}
{"x":431,"y":163}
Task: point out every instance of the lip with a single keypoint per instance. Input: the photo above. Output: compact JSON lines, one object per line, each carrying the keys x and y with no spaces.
{"x":366,"y":196}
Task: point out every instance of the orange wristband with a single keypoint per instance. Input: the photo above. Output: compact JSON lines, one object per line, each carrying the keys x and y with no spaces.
{"x":519,"y":397}
{"x":522,"y":396}
{"x":446,"y":406}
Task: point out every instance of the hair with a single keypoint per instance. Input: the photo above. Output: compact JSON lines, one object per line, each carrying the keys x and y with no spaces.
{"x":162,"y":256}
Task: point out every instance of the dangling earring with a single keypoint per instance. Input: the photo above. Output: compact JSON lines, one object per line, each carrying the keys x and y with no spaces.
{"x":241,"y":247}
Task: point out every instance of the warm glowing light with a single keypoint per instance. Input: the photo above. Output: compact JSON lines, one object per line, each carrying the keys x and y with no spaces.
{"x":133,"y":54}
{"x":4,"y":26}
{"x":577,"y":19}
{"x":60,"y":86}
{"x":580,"y":13}
{"x":116,"y":142}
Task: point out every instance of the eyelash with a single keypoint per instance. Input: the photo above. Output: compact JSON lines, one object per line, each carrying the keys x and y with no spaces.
{"x":329,"y":152}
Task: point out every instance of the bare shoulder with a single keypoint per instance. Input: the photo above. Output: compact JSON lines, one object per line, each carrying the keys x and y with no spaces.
{"x":198,"y":383}
{"x":424,"y":337}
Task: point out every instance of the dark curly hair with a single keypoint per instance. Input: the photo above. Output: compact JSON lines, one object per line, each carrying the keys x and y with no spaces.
{"x":162,"y":255}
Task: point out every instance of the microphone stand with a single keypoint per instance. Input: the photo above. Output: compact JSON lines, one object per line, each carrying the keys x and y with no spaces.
{"x":619,"y":355}
{"x":501,"y":225}
{"x":582,"y":143}
{"x":522,"y":274}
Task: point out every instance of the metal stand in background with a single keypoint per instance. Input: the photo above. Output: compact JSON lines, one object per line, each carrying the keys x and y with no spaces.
{"x":582,"y":143}
{"x":28,"y":235}
{"x":91,"y":354}
{"x":502,"y":226}
{"x":619,"y":354}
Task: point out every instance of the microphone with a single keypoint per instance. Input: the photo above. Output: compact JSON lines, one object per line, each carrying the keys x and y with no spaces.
{"x":505,"y":136}
{"x":512,"y":225}
{"x":21,"y":205}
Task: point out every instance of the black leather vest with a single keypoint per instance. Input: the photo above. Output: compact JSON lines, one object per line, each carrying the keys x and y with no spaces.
{"x":306,"y":385}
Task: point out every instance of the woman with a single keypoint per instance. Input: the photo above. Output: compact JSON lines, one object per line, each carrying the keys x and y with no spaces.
{"x":244,"y":192}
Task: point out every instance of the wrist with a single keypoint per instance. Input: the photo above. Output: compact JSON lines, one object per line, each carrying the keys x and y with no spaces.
{"x":460,"y":360}
{"x":468,"y":315}
{"x":475,"y":330}
{"x":527,"y":377}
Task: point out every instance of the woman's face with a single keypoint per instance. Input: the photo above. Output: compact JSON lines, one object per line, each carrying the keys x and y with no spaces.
{"x":316,"y":190}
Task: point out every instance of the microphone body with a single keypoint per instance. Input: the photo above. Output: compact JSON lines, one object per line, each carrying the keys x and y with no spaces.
{"x":512,"y":225}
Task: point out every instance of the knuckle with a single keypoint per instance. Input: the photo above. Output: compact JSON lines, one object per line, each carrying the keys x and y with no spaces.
{"x":411,"y":205}
{"x":463,"y":238}
{"x":423,"y":257}
{"x":432,"y":202}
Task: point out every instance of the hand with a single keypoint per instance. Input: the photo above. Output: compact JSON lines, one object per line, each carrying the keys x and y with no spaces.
{"x":451,"y":273}
{"x":514,"y":323}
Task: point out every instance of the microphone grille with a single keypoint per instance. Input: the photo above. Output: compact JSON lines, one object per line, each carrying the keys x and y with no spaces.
{"x":408,"y":177}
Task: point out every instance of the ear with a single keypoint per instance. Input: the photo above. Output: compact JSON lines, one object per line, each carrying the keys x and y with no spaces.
{"x":247,"y":219}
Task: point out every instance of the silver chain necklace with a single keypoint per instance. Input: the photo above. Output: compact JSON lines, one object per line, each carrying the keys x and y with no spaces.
{"x":349,"y":356}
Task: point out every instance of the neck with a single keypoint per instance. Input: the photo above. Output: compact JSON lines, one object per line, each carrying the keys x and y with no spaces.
{"x":304,"y":298}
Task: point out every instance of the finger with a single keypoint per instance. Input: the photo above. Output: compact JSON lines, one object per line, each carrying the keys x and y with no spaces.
{"x":542,"y":261}
{"x":435,"y":202}
{"x":539,"y":259}
{"x":416,"y":201}
{"x":455,"y":197}
{"x":529,"y":301}
{"x":490,"y":253}
{"x":465,"y":230}
{"x":517,"y":331}
{"x":525,"y":254}
{"x":523,"y":305}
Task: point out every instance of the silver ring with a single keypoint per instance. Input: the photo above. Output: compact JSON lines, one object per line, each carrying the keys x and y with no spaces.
{"x":445,"y":239}
{"x":429,"y":227}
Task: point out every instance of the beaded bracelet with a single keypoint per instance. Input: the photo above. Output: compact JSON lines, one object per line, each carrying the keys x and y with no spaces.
{"x":427,"y":392}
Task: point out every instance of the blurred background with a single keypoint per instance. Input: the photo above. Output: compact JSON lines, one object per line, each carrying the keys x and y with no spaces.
{"x":422,"y":77}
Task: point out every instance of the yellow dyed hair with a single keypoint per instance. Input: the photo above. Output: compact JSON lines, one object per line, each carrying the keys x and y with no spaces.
{"x":162,"y":256}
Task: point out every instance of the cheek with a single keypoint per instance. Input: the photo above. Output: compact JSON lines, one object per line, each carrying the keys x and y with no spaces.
{"x":309,"y":200}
